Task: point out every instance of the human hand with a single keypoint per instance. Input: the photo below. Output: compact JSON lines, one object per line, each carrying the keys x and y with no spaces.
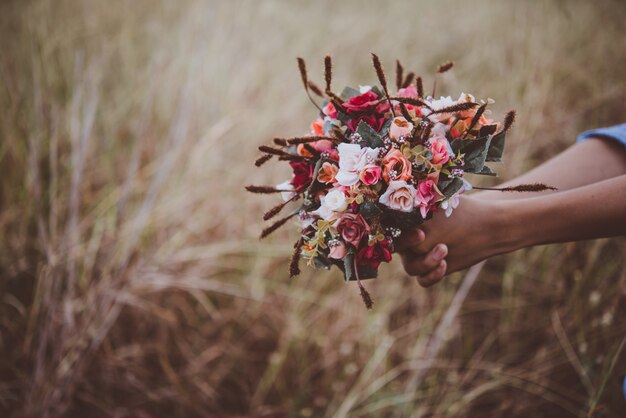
{"x":475,"y":231}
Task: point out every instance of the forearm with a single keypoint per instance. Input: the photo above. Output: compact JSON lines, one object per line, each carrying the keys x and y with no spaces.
{"x":582,"y":164}
{"x":593,"y":211}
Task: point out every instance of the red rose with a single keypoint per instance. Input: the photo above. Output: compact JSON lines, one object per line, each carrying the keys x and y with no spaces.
{"x":302,"y":175}
{"x":375,"y":122}
{"x":365,"y":102}
{"x":372,"y":256}
{"x":352,"y":228}
{"x":367,"y":108}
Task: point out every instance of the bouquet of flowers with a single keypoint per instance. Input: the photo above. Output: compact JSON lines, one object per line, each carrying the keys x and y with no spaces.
{"x":376,"y":164}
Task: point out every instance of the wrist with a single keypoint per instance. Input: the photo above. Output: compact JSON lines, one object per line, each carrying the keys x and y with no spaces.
{"x":507,"y":226}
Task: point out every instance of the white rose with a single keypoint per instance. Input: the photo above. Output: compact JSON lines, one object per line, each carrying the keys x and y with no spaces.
{"x":349,"y":155}
{"x":286,"y":186}
{"x":335,"y":200}
{"x":352,"y":159}
{"x":368,"y":156}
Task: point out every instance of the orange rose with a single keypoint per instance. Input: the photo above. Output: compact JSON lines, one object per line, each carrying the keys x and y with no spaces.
{"x":302,"y":151}
{"x":327,"y":173}
{"x":396,"y":164}
{"x":317,"y":126}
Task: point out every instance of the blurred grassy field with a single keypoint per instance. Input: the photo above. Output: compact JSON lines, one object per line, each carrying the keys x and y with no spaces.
{"x":132,"y":283}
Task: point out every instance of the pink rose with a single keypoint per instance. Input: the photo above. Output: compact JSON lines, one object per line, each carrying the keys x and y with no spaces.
{"x":400,"y":127}
{"x":426,"y":196}
{"x":330,"y":111}
{"x":439,"y":149}
{"x":338,"y":251}
{"x":352,"y":228}
{"x":409,"y":91}
{"x":399,"y":196}
{"x":371,"y":174}
{"x":317,"y":126}
{"x":326,"y":146}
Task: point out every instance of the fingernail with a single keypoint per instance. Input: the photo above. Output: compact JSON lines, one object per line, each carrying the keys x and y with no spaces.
{"x":439,"y":253}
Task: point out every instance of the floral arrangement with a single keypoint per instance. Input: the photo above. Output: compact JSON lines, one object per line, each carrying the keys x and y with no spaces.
{"x":376,"y":164}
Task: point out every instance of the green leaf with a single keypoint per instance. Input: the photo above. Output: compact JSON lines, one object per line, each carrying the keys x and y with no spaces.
{"x":348,"y":271}
{"x":456,"y":145}
{"x":475,"y":151}
{"x":322,"y":262}
{"x":348,"y":92}
{"x":369,"y":210}
{"x":496,"y":147}
{"x":369,"y":136}
{"x":385,"y":128}
{"x":486,"y":171}
{"x":366,"y":272}
{"x":452,"y":187}
{"x":378,"y":91}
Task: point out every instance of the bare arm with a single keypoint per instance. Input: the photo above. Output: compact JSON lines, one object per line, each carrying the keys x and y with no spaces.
{"x":584,"y":163}
{"x":480,"y":229}
{"x":578,"y":167}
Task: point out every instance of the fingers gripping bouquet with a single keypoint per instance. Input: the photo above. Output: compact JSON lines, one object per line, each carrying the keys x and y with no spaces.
{"x":376,"y":164}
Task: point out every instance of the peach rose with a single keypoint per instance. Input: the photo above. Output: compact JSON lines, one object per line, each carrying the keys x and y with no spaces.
{"x":400,"y":127}
{"x":400,"y":196}
{"x":439,"y":149}
{"x":396,"y":163}
{"x":327,"y":173}
{"x":371,"y":174}
{"x":338,"y":250}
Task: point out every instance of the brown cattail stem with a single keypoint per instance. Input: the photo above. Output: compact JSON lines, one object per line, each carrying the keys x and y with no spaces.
{"x":328,"y":73}
{"x":300,"y":140}
{"x":294,"y":268}
{"x":399,"y":75}
{"x":445,"y":67}
{"x":412,"y":101}
{"x":532,"y":187}
{"x":380,"y":73}
{"x":408,"y":80}
{"x":475,"y":119}
{"x":263,"y":159}
{"x":315,"y":89}
{"x":405,"y":112}
{"x":509,"y":119}
{"x":276,"y":209}
{"x":267,"y":231}
{"x":459,"y":107}
{"x":367,"y":299}
{"x":265,"y":189}
{"x":419,"y":85}
{"x":305,"y":81}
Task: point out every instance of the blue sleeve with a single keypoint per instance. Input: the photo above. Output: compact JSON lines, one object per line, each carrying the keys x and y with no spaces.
{"x":615,"y":133}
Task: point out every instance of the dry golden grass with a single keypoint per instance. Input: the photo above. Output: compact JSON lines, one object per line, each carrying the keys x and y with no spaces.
{"x":132,"y":282}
